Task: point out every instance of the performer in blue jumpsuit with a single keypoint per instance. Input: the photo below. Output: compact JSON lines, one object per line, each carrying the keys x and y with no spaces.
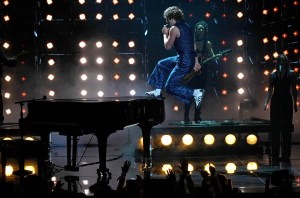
{"x":169,"y":72}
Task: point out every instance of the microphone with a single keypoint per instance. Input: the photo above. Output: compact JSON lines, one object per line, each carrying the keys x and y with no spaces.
{"x":162,"y":34}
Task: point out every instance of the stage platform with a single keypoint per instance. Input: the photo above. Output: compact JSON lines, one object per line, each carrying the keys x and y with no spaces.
{"x":246,"y":179}
{"x":213,"y":126}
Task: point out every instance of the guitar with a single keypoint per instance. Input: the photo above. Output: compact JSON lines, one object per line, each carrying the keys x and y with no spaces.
{"x":193,"y":73}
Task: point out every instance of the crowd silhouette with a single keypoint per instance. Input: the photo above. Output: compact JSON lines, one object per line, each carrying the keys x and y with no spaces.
{"x":177,"y":183}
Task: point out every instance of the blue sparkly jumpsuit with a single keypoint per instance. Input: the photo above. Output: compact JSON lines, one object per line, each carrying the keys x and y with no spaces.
{"x":169,"y":72}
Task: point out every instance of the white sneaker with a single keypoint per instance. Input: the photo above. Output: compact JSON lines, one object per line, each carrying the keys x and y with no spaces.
{"x":153,"y":94}
{"x":198,"y":98}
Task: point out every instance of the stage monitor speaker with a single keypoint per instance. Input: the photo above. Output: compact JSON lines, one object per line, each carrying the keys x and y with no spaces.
{"x":281,"y":177}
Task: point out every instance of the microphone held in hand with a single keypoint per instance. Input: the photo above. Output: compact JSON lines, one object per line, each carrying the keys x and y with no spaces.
{"x":167,"y":26}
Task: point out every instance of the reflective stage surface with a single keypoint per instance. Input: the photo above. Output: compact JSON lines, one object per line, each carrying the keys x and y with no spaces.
{"x":123,"y":145}
{"x":250,"y":171}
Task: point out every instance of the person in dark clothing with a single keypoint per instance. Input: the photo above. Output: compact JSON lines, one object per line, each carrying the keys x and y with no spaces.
{"x":207,"y":187}
{"x":214,"y":178}
{"x":204,"y":50}
{"x":283,"y":94}
{"x":8,"y":62}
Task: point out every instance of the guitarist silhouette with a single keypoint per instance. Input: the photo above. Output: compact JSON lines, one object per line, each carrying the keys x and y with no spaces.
{"x":198,"y":79}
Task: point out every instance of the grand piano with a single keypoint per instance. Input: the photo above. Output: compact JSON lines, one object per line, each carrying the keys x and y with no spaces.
{"x":101,"y":117}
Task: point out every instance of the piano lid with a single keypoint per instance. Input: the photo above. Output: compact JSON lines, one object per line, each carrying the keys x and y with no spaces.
{"x":91,"y":100}
{"x":103,"y":113}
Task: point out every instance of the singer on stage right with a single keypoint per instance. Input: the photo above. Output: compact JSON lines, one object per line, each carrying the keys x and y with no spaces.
{"x":283,"y":94}
{"x":169,"y":72}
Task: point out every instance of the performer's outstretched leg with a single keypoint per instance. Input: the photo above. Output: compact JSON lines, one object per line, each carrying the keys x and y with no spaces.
{"x":159,"y":75}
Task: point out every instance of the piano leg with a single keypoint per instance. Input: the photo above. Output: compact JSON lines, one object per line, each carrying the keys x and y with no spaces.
{"x":68,"y":152}
{"x":103,"y":171}
{"x":147,"y":158}
{"x":74,"y":159}
{"x":44,"y":155}
{"x":71,"y":157}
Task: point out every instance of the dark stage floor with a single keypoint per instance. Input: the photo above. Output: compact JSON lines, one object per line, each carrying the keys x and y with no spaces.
{"x":122,"y":146}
